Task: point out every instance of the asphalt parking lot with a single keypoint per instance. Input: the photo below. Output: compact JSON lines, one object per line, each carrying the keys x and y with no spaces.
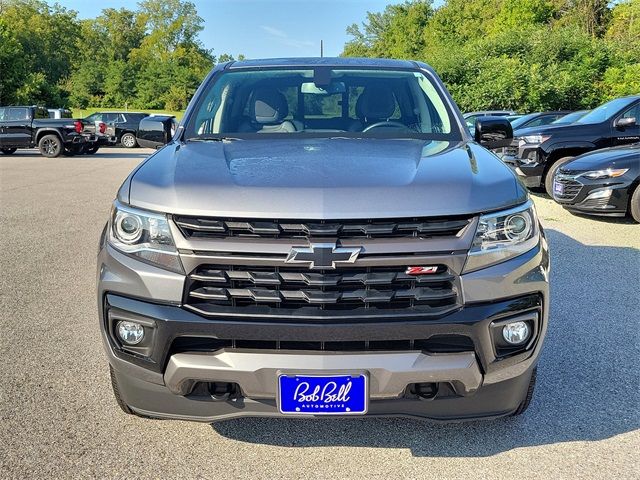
{"x":59,"y":418}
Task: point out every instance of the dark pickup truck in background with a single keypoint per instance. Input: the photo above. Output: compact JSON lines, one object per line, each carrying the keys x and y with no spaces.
{"x":30,"y":126}
{"x":537,"y":153}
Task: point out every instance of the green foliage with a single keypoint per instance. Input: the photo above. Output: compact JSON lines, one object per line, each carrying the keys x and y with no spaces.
{"x":527,"y":55}
{"x":147,"y":58}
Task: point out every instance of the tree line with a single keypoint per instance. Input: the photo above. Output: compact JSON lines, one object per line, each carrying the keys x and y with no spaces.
{"x":150,"y":57}
{"x":527,"y":55}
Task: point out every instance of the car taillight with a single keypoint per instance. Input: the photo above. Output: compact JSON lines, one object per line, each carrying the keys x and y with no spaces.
{"x":102,"y":127}
{"x":78,"y":125}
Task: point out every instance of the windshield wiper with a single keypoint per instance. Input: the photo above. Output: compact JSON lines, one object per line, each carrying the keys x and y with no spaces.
{"x":212,"y":139}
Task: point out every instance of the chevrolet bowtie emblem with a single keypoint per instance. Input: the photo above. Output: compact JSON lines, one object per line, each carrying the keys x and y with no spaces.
{"x":323,"y":255}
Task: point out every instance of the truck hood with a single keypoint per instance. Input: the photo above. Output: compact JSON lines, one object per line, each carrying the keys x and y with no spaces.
{"x":324,"y":179}
{"x":548,"y":129}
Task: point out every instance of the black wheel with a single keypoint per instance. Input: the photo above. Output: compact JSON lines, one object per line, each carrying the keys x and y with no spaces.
{"x":50,"y":146}
{"x":128,"y":140}
{"x":527,"y":399}
{"x":91,"y":150}
{"x":634,"y":205}
{"x":551,"y":172}
{"x":8,"y":151}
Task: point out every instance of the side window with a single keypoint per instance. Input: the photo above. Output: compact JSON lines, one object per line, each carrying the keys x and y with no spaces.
{"x":633,"y":112}
{"x":540,"y":121}
{"x":16,"y":114}
{"x":2,"y":114}
{"x":121,"y":118}
{"x":96,"y":117}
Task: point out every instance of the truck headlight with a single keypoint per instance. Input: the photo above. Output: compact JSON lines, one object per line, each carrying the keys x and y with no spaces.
{"x":535,"y":138}
{"x":503,"y":235}
{"x":144,"y":235}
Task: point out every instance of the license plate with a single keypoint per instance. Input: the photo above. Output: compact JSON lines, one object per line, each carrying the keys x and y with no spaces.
{"x":322,"y":395}
{"x":558,"y":188}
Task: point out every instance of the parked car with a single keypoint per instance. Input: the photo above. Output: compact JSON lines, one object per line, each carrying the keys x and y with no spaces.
{"x":603,"y":182}
{"x":59,"y":113}
{"x":537,"y":152}
{"x":343,"y":261}
{"x":30,"y":126}
{"x":125,"y":124}
{"x":570,"y":117}
{"x":470,"y":117}
{"x":536,"y":119}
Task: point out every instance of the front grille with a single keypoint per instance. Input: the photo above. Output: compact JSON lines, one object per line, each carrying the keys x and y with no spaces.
{"x":571,"y":188}
{"x":433,"y":344}
{"x":341,"y":229}
{"x":214,"y":289}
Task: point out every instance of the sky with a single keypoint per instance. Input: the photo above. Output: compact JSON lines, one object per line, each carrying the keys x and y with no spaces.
{"x":265,"y":28}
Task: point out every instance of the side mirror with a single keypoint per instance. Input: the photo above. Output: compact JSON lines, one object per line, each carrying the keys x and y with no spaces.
{"x":493,"y":132}
{"x":625,"y":122}
{"x":156,"y":131}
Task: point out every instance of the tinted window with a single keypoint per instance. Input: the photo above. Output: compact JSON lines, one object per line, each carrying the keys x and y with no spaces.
{"x":354,"y":101}
{"x":16,"y":114}
{"x":2,"y":114}
{"x":633,"y":112}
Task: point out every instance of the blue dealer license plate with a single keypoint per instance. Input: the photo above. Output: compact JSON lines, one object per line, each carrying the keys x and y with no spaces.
{"x":323,"y":395}
{"x":558,"y":188}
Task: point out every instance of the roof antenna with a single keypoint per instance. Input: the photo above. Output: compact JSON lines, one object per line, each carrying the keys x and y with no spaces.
{"x":321,"y":49}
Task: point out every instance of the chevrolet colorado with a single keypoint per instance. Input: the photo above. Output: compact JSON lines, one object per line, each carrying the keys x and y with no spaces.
{"x":323,"y":237}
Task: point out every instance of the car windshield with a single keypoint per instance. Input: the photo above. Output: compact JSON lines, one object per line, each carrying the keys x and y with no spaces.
{"x":572,"y":117}
{"x":322,"y":102}
{"x":605,"y":111}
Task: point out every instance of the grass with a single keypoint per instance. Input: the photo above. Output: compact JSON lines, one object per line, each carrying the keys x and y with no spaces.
{"x":85,"y":112}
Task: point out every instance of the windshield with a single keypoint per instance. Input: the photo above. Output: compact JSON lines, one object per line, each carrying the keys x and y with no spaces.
{"x":605,"y":111}
{"x":322,"y":102}
{"x":572,"y":117}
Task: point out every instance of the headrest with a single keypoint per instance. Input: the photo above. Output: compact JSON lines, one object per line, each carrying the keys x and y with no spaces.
{"x":375,"y":102}
{"x":268,"y":106}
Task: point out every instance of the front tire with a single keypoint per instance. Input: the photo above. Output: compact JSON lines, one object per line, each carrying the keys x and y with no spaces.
{"x":8,"y":151}
{"x":50,"y":146}
{"x":548,"y":179}
{"x":634,"y":204}
{"x":128,"y":140}
{"x":91,"y":150}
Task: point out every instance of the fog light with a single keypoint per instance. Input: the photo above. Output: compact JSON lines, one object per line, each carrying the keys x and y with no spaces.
{"x":516,"y":333}
{"x":130,"y":333}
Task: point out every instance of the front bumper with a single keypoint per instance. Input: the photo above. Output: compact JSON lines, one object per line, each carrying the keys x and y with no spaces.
{"x":157,"y":379}
{"x":526,"y":160}
{"x":609,"y":197}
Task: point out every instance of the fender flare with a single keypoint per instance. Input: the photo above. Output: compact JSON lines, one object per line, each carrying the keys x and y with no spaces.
{"x":41,"y":132}
{"x":571,"y":145}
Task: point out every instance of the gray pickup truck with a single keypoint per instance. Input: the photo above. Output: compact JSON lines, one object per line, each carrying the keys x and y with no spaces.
{"x":323,"y":237}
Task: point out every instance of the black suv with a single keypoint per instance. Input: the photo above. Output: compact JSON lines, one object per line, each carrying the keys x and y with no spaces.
{"x":126,"y":125}
{"x":536,"y":153}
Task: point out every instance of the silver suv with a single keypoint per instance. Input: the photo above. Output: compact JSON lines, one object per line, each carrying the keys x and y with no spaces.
{"x":323,"y":237}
